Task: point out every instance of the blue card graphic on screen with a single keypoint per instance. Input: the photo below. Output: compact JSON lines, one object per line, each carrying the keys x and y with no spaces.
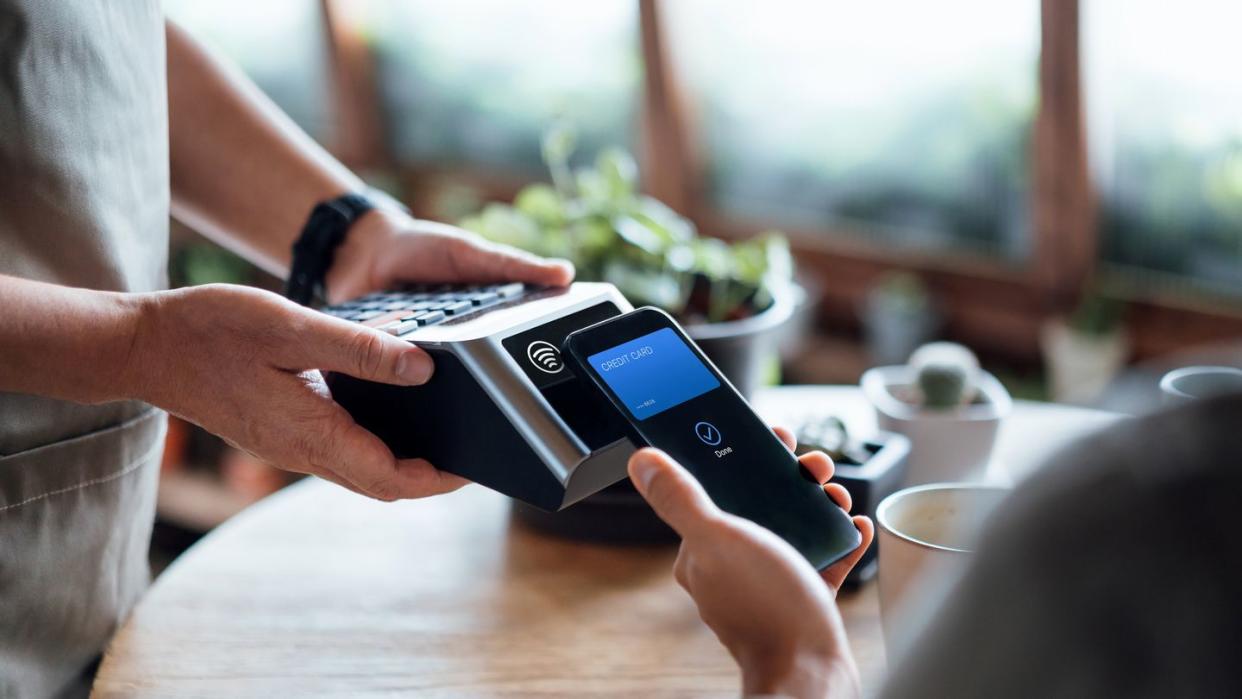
{"x":653,"y":373}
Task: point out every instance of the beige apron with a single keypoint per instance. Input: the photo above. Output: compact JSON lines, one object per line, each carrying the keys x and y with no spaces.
{"x":83,"y":202}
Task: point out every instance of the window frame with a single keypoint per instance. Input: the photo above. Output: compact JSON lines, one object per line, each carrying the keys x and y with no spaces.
{"x":995,"y":306}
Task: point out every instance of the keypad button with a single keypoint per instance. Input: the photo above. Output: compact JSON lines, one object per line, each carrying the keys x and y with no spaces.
{"x":383,"y":319}
{"x":430,"y":317}
{"x":509,"y":290}
{"x":400,"y":329}
{"x":422,"y":304}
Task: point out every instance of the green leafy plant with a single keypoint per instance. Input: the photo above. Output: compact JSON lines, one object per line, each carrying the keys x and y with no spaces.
{"x":206,"y":263}
{"x":1096,"y":314}
{"x":597,"y":218}
{"x":902,"y":293}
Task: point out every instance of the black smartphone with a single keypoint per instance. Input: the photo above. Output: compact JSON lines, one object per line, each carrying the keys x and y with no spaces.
{"x":674,"y":399}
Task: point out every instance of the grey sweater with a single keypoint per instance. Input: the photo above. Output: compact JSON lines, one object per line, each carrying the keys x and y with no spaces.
{"x":1115,"y":572}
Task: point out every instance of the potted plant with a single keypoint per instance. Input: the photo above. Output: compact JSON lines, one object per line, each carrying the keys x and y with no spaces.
{"x":1084,"y":351}
{"x":898,"y":316}
{"x":947,"y":406}
{"x":733,"y":299}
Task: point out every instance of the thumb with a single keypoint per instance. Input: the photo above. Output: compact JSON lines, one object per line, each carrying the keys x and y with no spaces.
{"x":671,"y":491}
{"x":337,"y":345}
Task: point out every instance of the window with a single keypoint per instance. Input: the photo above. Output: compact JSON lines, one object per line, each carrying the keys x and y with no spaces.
{"x":476,"y":82}
{"x":907,"y":123}
{"x":1165,"y":128}
{"x":278,"y":43}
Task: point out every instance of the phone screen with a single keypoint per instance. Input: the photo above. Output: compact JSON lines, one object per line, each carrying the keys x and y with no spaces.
{"x":675,"y":400}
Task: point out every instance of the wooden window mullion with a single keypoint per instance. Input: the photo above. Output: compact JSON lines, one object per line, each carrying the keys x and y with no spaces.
{"x":1063,"y":200}
{"x":358,"y":134}
{"x":670,"y":171}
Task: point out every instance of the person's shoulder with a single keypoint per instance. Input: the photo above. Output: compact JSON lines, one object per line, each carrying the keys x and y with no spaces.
{"x":1111,"y":571}
{"x":1192,"y":447}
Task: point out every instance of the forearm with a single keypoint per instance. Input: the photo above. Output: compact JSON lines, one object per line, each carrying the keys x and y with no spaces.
{"x":74,"y":344}
{"x":804,"y":677}
{"x":242,"y":172}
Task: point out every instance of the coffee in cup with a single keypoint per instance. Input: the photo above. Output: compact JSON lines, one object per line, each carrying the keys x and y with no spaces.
{"x":927,"y":534}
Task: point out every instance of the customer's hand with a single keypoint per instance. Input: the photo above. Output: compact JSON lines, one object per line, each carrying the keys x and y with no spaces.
{"x":387,"y":247}
{"x":776,"y":615}
{"x":244,"y":364}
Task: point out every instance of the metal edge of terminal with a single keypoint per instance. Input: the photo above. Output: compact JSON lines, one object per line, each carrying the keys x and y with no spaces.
{"x":522,"y":403}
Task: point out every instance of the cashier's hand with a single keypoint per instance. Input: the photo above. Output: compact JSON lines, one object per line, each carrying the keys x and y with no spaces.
{"x":776,"y":615}
{"x":388,"y":247}
{"x":244,"y":364}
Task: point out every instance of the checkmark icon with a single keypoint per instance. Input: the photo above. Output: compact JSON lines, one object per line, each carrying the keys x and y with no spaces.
{"x":707,"y":433}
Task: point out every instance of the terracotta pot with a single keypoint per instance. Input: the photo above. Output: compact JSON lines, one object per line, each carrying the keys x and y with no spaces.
{"x":176,"y":442}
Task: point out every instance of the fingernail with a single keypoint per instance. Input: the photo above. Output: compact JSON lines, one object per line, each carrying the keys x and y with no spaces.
{"x":565,"y":266}
{"x":645,"y":467}
{"x":414,"y":367}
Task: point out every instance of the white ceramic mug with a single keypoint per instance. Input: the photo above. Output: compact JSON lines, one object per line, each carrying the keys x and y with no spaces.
{"x":927,"y":534}
{"x":1194,"y":382}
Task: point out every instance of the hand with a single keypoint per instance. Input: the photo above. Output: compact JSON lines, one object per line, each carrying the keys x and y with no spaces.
{"x":387,"y":247}
{"x":773,"y":612}
{"x":244,"y":364}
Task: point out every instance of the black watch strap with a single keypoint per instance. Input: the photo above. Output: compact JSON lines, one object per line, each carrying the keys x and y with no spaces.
{"x":313,"y":251}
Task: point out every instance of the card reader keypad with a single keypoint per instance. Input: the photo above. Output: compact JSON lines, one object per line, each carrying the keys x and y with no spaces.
{"x":415,"y":306}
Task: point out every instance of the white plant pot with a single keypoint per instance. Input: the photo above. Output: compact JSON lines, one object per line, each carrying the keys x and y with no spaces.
{"x":1080,"y":366}
{"x":945,"y":445}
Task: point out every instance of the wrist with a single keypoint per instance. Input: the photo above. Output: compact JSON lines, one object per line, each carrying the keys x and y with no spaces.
{"x":354,"y":265}
{"x":331,"y":225}
{"x":141,"y":324}
{"x":801,"y":674}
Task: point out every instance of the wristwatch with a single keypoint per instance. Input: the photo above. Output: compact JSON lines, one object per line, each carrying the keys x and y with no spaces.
{"x":315,"y":248}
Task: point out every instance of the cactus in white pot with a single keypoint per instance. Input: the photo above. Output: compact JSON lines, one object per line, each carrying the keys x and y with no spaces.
{"x":947,"y":374}
{"x":947,"y":406}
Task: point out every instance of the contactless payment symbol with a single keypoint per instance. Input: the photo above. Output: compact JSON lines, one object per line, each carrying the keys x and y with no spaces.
{"x":545,"y":357}
{"x":707,"y":432}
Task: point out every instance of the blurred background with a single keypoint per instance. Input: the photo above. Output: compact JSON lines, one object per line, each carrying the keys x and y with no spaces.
{"x":1056,"y":184}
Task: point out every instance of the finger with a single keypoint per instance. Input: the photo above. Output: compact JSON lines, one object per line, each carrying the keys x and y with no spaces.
{"x":349,"y":452}
{"x":787,"y":436}
{"x":482,"y":261}
{"x":671,"y":491}
{"x":835,"y":574}
{"x":333,"y":478}
{"x":419,"y":479}
{"x":309,"y":468}
{"x":839,"y":495}
{"x":323,"y":342}
{"x":681,"y":568}
{"x":819,"y":464}
{"x":360,"y":461}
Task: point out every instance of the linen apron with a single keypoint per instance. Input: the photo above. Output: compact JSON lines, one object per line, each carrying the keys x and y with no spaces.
{"x":84,"y":198}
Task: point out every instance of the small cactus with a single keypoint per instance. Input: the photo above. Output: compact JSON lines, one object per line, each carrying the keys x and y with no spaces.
{"x":946,"y":373}
{"x":942,"y":385}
